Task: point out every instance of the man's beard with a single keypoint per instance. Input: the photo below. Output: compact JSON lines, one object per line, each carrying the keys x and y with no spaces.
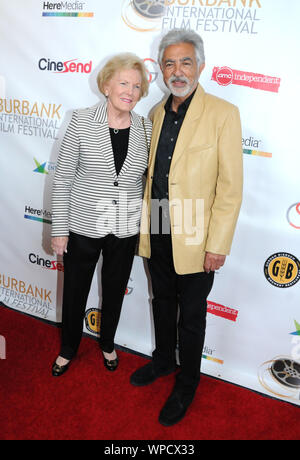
{"x":180,"y":92}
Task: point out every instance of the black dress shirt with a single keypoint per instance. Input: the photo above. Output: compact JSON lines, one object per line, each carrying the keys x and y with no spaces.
{"x":160,"y":221}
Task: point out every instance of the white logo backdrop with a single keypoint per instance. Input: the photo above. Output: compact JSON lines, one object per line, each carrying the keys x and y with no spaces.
{"x":51,"y":53}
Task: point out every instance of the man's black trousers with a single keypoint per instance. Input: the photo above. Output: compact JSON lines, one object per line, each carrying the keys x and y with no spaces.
{"x":189,"y":293}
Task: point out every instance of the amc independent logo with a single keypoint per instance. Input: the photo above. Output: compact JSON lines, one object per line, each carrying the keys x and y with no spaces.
{"x":282,"y":270}
{"x":225,"y":76}
{"x":222,"y":311}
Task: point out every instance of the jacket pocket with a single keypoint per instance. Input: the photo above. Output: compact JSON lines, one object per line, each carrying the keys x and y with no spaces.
{"x":205,"y":148}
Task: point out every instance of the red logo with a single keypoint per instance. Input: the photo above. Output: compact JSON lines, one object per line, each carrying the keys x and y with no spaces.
{"x":64,"y":67}
{"x":151,"y":68}
{"x":222,"y":311}
{"x":293,"y":215}
{"x":225,"y":76}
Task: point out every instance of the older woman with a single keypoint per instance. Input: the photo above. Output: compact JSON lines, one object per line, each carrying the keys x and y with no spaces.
{"x":97,"y":193}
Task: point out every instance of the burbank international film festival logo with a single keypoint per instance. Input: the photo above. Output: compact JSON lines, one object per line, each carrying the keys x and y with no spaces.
{"x":216,"y":16}
{"x":25,"y":296}
{"x":280,"y":376}
{"x":282,"y":270}
{"x":27,"y":118}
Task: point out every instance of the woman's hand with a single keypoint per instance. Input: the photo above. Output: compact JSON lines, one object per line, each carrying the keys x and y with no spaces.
{"x":59,"y":244}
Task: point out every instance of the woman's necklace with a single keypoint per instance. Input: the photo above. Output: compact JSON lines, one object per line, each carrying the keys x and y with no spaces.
{"x":117,"y":124}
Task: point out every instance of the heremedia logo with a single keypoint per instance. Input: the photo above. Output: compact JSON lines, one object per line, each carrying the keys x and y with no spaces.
{"x":251,"y":146}
{"x":65,"y":9}
{"x":39,"y":215}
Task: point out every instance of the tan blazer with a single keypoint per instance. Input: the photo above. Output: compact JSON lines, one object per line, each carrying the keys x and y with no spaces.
{"x":207,"y":171}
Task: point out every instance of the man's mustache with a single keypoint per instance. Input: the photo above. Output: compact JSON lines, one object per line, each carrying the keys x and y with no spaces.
{"x":178,"y":80}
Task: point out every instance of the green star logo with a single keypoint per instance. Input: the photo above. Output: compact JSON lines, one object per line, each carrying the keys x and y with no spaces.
{"x":40,"y":168}
{"x":297,"y":332}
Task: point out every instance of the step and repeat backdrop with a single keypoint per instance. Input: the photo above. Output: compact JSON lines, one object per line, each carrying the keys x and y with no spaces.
{"x":50,"y":54}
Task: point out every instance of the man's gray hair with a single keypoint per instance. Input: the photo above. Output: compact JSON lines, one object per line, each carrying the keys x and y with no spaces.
{"x":176,"y":36}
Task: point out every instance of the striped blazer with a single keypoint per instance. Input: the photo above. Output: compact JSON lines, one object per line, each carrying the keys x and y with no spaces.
{"x":88,"y":197}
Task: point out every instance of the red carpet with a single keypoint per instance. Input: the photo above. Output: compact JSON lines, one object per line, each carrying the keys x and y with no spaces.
{"x":89,"y":403}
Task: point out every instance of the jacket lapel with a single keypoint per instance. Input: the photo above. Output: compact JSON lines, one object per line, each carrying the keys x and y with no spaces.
{"x":135,"y":132}
{"x":157,"y":126}
{"x":189,"y":124}
{"x":102,"y":129}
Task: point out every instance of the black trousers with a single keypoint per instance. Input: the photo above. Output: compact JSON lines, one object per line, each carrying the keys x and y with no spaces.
{"x":79,"y":266}
{"x":189,"y":293}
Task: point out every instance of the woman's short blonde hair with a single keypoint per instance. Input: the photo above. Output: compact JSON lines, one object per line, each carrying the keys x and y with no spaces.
{"x":123,"y":61}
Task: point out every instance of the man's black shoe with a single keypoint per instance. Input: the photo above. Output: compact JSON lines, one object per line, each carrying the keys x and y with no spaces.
{"x":148,"y":374}
{"x":175,"y":408}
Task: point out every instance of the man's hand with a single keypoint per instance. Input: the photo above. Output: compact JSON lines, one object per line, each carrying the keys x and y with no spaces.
{"x":59,"y":244}
{"x":213,"y":262}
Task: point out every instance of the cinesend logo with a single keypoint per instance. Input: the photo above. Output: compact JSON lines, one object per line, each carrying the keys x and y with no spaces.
{"x":70,"y":66}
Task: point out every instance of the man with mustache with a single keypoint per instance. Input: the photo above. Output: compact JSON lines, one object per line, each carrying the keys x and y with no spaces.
{"x":195,"y":158}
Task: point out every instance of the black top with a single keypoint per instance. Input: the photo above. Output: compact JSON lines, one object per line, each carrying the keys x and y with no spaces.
{"x":119,"y":142}
{"x":160,"y":220}
{"x":166,"y":145}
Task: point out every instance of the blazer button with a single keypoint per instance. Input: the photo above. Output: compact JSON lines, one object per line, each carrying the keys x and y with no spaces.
{"x":116,"y":183}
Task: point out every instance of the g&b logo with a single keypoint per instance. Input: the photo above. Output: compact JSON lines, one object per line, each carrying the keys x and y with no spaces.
{"x":282,"y":270}
{"x":93,"y":320}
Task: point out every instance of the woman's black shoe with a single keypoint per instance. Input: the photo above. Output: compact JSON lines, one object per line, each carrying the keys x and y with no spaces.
{"x":111,"y":365}
{"x":57,"y":370}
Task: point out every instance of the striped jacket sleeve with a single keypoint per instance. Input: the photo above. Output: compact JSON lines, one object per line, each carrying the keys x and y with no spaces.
{"x":64,"y":176}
